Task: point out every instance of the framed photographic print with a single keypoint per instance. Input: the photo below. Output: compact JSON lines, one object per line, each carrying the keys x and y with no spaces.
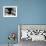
{"x":9,"y":11}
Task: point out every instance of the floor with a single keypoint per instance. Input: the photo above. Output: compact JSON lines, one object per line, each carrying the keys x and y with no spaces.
{"x":7,"y":45}
{"x":28,"y":43}
{"x":31,"y":43}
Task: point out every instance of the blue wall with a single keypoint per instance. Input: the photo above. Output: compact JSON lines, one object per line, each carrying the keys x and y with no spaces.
{"x":29,"y":12}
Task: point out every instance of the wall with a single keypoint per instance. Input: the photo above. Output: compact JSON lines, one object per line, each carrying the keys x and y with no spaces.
{"x":29,"y":12}
{"x":7,"y":25}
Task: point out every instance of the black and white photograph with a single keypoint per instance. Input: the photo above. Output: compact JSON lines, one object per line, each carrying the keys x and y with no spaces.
{"x":9,"y":11}
{"x":31,"y":34}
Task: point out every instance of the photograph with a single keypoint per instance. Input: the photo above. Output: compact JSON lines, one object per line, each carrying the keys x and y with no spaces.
{"x":30,"y":33}
{"x":9,"y":11}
